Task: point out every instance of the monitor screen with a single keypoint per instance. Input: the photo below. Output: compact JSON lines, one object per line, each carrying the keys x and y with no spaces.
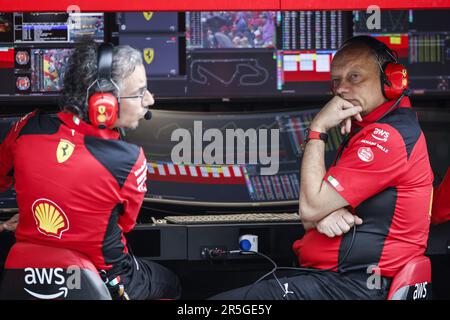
{"x":160,"y":53}
{"x":230,"y":30}
{"x":224,"y":54}
{"x":245,"y":159}
{"x":30,"y":27}
{"x":29,"y":70}
{"x":148,"y":21}
{"x":35,"y":47}
{"x":8,"y":197}
{"x":237,"y":54}
{"x":308,"y":41}
{"x":422,"y":40}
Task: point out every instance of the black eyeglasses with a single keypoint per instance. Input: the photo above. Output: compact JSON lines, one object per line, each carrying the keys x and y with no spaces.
{"x":140,"y":96}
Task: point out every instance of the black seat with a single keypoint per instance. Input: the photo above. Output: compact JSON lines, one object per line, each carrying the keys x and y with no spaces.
{"x":34,"y":271}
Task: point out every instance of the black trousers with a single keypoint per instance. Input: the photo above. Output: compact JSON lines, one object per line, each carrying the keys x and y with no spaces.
{"x":311,"y":285}
{"x":143,"y":279}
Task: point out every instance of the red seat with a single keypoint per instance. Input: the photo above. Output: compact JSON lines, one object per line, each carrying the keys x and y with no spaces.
{"x":34,"y":271}
{"x":413,"y":281}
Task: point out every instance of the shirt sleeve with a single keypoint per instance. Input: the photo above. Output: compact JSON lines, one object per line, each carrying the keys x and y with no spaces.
{"x":133,"y":191}
{"x":441,"y":201}
{"x":374,"y":159}
{"x":7,"y":153}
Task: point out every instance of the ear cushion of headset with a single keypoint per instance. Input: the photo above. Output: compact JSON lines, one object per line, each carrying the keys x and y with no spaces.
{"x":397,"y":76}
{"x":103,"y":109}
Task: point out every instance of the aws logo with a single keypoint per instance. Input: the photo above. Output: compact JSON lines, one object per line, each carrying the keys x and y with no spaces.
{"x":55,"y":280}
{"x":380,"y":134}
{"x":50,"y":218}
{"x":420,"y":291}
{"x":149,"y":55}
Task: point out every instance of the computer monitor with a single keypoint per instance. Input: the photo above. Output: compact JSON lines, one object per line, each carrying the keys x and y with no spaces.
{"x":422,"y":41}
{"x":254,"y":158}
{"x":230,"y":30}
{"x":308,"y":42}
{"x":145,"y":22}
{"x":237,"y":54}
{"x":35,"y":47}
{"x":8,"y":197}
{"x":160,"y":53}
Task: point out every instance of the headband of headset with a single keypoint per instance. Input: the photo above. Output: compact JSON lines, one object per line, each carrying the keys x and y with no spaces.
{"x":103,"y":106}
{"x":104,"y":63}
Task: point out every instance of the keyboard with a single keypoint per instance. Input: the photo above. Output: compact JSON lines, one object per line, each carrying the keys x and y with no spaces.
{"x":234,"y":218}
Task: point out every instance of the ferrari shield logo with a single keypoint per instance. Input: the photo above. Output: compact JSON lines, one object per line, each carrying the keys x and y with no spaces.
{"x":101,"y":109}
{"x":147,"y":15}
{"x":149,"y":54}
{"x":64,"y":150}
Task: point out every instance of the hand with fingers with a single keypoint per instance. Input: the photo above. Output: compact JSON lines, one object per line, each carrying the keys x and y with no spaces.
{"x":11,"y":224}
{"x":337,"y":223}
{"x":337,"y":111}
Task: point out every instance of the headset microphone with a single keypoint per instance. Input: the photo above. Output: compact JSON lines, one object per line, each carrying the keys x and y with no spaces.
{"x":148,"y":115}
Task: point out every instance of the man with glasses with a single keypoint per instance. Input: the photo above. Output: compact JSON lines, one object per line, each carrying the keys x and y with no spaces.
{"x":78,"y":185}
{"x":141,"y":95}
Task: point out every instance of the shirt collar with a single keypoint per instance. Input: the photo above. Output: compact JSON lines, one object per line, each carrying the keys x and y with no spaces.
{"x":74,"y":122}
{"x":379,"y":112}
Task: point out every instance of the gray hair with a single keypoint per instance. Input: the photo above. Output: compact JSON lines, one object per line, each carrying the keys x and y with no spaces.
{"x":380,"y":52}
{"x":81,"y":72}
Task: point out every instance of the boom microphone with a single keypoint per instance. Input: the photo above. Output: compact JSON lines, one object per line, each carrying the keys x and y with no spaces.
{"x":148,"y":115}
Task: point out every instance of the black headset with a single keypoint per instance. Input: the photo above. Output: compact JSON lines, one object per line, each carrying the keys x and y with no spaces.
{"x":103,"y":106}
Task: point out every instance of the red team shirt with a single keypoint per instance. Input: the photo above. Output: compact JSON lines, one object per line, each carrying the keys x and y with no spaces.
{"x":385,"y":175}
{"x":441,"y":201}
{"x":77,"y":186}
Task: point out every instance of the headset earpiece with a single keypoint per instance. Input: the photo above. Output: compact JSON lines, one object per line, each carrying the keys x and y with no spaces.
{"x":103,"y":110}
{"x":103,"y":107}
{"x":396,"y":80}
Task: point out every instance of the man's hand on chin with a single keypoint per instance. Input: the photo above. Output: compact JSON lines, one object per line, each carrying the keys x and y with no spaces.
{"x":336,"y":111}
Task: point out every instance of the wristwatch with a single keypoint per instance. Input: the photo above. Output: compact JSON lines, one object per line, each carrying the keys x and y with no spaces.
{"x":309,"y":134}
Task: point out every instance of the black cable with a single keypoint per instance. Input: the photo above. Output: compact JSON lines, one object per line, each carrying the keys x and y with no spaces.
{"x":405,"y":93}
{"x":329,"y":269}
{"x":291,"y":268}
{"x":264,"y":276}
{"x":258,"y":281}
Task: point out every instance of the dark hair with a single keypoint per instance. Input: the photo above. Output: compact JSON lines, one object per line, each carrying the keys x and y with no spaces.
{"x":82,"y":71}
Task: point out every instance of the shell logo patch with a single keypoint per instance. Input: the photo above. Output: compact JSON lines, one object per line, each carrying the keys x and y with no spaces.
{"x":64,"y":150}
{"x":50,"y":218}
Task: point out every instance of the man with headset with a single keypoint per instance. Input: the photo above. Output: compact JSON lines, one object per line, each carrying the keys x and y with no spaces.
{"x":380,"y":184}
{"x":78,"y":185}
